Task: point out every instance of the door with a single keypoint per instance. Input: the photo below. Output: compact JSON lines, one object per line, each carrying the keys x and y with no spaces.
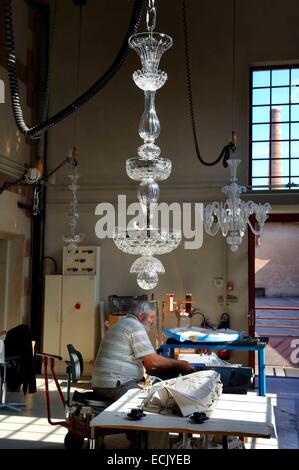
{"x":52,"y":315}
{"x":274,"y":288}
{"x":79,"y":310}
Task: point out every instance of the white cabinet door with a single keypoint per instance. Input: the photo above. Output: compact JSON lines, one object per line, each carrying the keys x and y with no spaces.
{"x":52,"y":315}
{"x":79,"y":313}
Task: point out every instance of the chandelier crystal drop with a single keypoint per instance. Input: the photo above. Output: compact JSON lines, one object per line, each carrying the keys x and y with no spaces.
{"x":233,"y":215}
{"x":149,"y":167}
{"x":72,"y":239}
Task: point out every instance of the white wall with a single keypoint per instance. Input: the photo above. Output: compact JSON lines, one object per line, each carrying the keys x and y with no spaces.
{"x":277,"y":260}
{"x":267,"y":32}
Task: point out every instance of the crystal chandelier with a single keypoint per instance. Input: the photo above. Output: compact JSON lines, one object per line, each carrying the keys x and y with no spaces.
{"x":233,"y":215}
{"x":149,"y":167}
{"x":72,"y":239}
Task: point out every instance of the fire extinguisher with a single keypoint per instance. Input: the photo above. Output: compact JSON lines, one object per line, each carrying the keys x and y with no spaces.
{"x":224,"y":323}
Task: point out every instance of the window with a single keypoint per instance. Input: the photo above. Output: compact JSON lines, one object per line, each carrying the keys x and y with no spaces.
{"x":274,"y":128}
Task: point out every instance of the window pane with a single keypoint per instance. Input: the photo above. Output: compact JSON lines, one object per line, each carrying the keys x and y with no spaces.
{"x":294,"y":131}
{"x":295,"y":168}
{"x":295,"y":112}
{"x":261,"y":131}
{"x":295,"y":93}
{"x":294,"y":149}
{"x":280,"y":168}
{"x":279,"y":149}
{"x":286,"y":167}
{"x":285,"y":149}
{"x":285,"y":113}
{"x":260,"y":150}
{"x":280,"y":95}
{"x":279,"y":183}
{"x":295,"y":183}
{"x":261,"y":78}
{"x":280,"y":113}
{"x":295,"y":76}
{"x":280,"y":77}
{"x":280,"y":131}
{"x":260,"y":183}
{"x":260,"y":168}
{"x":261,"y":96}
{"x":261,"y":114}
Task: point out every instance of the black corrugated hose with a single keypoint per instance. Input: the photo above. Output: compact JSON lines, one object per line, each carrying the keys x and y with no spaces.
{"x":230,"y":147}
{"x":37,"y":131}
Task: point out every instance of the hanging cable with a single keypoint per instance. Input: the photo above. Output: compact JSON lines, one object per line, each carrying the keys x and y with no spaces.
{"x":230,"y":147}
{"x":234,"y":69}
{"x":7,"y":185}
{"x":37,"y":130}
{"x":78,"y":72}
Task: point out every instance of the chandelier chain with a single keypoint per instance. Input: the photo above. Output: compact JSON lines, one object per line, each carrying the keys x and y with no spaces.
{"x":151,"y":16}
{"x":234,"y":67}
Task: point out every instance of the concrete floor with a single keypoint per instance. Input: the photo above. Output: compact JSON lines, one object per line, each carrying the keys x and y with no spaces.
{"x":30,"y":429}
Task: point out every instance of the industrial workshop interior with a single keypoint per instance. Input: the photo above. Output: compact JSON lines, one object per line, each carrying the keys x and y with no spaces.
{"x":149,"y":229}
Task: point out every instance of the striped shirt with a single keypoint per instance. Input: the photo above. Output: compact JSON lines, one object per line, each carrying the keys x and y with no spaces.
{"x":121,"y":353}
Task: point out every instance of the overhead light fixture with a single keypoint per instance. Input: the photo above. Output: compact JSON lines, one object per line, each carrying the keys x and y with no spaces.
{"x":72,"y":239}
{"x":149,"y":167}
{"x":233,"y":215}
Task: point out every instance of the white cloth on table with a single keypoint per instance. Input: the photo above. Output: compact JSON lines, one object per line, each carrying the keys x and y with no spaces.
{"x":190,"y":393}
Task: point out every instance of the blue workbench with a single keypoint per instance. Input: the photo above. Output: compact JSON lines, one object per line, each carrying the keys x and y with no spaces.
{"x":169,"y":348}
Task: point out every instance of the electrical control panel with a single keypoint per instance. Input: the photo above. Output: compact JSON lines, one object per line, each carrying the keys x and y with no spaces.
{"x":84,"y":260}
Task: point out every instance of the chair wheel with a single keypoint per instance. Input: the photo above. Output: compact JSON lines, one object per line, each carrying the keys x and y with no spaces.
{"x":72,"y":442}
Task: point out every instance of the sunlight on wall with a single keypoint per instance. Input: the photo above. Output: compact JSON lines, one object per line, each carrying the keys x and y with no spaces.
{"x":260,"y":263}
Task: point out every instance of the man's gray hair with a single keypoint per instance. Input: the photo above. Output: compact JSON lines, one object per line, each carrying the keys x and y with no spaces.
{"x":144,"y":307}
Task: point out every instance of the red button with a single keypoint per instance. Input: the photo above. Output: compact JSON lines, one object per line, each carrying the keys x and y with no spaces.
{"x":77,"y":306}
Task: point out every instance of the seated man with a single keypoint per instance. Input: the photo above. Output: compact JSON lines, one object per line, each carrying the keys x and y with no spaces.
{"x":124,"y":350}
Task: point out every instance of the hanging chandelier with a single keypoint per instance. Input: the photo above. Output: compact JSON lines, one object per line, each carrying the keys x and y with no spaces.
{"x":149,"y":167}
{"x":233,"y":215}
{"x":72,"y":239}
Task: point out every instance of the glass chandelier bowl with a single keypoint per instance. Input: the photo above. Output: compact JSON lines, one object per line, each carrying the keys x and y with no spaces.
{"x":233,"y":215}
{"x":150,"y":47}
{"x":148,"y":151}
{"x":157,"y":168}
{"x":146,"y":241}
{"x":147,"y":269}
{"x":149,"y":81}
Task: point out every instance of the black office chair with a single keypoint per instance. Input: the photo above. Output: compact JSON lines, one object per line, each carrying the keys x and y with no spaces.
{"x":75,"y":371}
{"x":6,"y":363}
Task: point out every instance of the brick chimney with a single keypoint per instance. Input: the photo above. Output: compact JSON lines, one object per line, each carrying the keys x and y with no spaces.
{"x":276,"y":149}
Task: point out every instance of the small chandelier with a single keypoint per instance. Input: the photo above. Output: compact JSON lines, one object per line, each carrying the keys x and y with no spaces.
{"x":233,"y":215}
{"x":149,"y":167}
{"x":72,"y":239}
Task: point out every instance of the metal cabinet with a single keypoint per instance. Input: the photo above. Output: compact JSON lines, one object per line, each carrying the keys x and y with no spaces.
{"x":71,"y":315}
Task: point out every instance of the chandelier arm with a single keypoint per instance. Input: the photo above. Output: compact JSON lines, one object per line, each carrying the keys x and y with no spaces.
{"x":36,"y":131}
{"x":225,"y":152}
{"x":254,"y":231}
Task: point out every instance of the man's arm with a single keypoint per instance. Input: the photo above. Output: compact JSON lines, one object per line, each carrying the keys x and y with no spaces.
{"x":154,"y":360}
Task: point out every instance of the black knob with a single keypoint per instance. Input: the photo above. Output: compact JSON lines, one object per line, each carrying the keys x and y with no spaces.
{"x":198,"y":417}
{"x":136,"y":414}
